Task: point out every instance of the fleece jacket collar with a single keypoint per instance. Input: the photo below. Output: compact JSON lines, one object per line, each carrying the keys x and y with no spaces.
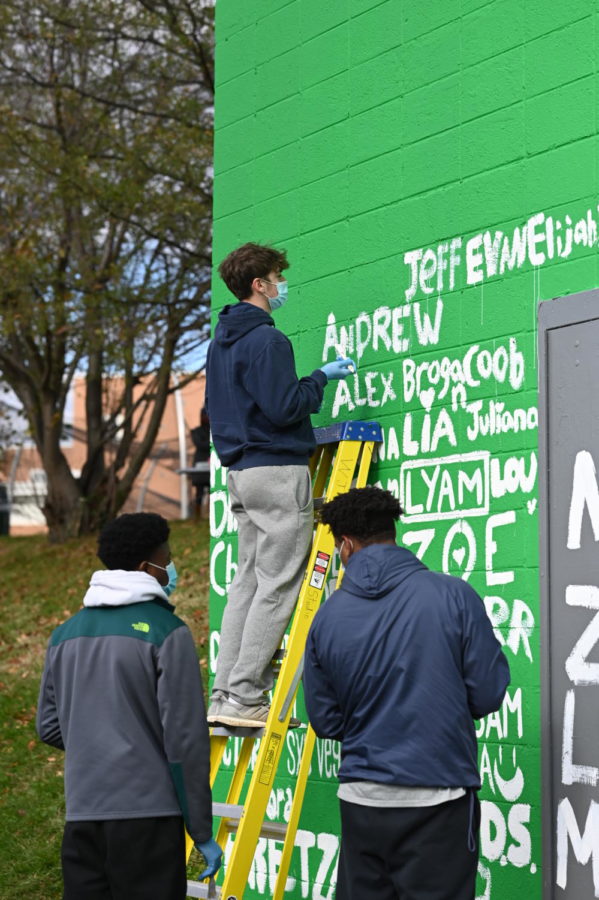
{"x":118,"y":587}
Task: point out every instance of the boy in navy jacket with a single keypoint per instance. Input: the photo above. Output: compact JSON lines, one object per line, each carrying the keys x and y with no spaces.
{"x":398,"y":663}
{"x":260,"y":418}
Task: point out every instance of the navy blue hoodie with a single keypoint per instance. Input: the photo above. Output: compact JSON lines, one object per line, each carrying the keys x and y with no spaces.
{"x":259,"y":411}
{"x":398,"y":663}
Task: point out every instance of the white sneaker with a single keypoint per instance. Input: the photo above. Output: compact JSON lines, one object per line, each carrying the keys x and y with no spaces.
{"x":233,"y":713}
{"x":216,"y":702}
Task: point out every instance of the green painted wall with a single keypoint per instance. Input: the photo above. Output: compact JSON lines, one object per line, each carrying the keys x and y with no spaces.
{"x":431,"y":169}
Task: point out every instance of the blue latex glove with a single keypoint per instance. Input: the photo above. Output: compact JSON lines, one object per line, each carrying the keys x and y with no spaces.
{"x":213,"y":856}
{"x":341,"y":368}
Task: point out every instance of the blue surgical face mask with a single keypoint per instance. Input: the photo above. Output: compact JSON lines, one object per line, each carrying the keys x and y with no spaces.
{"x":281,"y":298}
{"x":171,"y":571}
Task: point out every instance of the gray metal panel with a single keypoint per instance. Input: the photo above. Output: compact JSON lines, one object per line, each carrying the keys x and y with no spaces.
{"x":569,"y":419}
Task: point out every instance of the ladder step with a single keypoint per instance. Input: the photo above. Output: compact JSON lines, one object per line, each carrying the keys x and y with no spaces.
{"x":232,"y":813}
{"x":229,"y":810}
{"x":238,"y":731}
{"x":235,"y":731}
{"x":200,"y":889}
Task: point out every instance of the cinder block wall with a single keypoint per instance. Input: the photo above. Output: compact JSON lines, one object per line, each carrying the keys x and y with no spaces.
{"x":431,"y":169}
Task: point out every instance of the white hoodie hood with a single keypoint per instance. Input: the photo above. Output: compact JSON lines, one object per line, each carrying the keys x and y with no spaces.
{"x":118,"y":587}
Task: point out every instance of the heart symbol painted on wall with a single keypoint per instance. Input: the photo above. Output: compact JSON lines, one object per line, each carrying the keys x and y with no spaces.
{"x":531,"y":505}
{"x":427,"y":397}
{"x":459,"y":555}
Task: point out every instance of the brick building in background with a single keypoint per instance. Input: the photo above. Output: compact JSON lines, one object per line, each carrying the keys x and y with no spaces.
{"x":158,"y":488}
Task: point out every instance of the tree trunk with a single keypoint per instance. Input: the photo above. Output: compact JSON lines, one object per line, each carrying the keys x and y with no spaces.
{"x":63,"y":506}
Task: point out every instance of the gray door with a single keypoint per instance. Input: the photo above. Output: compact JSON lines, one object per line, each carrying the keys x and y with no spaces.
{"x":569,"y":504}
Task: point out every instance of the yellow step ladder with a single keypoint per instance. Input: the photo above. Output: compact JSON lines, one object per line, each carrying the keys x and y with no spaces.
{"x":341,"y":460}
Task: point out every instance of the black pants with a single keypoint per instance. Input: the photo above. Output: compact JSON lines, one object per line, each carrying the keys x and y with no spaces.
{"x":125,"y":859}
{"x":409,"y":853}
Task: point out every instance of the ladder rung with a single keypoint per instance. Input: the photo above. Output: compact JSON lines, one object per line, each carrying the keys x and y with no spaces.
{"x":232,"y":813}
{"x":200,"y":889}
{"x":235,"y":731}
{"x":230,"y":810}
{"x":274,"y":830}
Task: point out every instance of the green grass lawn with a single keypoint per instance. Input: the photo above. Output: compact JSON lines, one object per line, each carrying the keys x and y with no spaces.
{"x":41,"y":585}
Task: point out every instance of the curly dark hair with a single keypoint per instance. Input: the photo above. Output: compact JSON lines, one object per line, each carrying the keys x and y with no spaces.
{"x":130,"y":539}
{"x":250,"y":261}
{"x":367,"y":513}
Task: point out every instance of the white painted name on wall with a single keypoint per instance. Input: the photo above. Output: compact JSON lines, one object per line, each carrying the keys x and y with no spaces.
{"x":446,"y":488}
{"x":490,"y":254}
{"x":582,"y":673}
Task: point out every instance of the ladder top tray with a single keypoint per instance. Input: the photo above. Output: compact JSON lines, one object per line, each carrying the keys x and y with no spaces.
{"x":348,"y":431}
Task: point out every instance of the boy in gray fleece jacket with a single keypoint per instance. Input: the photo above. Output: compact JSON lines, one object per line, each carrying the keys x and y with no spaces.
{"x":121,"y":693}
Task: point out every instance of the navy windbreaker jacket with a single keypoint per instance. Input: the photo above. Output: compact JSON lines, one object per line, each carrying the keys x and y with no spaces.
{"x":259,"y":411}
{"x":398,"y":663}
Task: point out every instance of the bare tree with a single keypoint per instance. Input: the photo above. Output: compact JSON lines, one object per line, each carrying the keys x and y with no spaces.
{"x":105,"y":218}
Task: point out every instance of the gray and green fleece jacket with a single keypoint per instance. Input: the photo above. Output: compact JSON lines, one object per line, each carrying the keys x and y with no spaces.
{"x":122,"y":694}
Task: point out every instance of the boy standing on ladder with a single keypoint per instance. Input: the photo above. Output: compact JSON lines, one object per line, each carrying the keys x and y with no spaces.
{"x":260,"y":418}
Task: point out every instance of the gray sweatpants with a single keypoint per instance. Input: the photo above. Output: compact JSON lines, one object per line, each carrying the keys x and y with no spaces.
{"x":274,"y":510}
